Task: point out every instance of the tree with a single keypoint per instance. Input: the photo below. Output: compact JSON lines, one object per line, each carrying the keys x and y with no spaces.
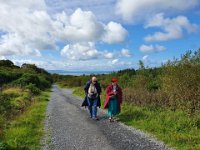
{"x":6,"y":63}
{"x":141,"y":65}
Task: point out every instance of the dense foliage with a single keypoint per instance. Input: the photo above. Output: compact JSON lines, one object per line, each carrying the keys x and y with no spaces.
{"x":27,"y":74}
{"x":18,"y":88}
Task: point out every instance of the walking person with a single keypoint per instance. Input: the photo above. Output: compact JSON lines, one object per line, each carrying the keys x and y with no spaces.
{"x":92,"y":97}
{"x":113,"y":99}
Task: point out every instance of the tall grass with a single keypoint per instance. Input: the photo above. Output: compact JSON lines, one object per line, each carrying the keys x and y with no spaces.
{"x":13,"y":101}
{"x":26,"y":130}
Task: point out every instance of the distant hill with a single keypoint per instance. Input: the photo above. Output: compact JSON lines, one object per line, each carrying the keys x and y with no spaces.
{"x":63,"y":72}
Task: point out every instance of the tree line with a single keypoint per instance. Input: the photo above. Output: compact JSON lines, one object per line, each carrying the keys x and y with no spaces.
{"x":26,"y":75}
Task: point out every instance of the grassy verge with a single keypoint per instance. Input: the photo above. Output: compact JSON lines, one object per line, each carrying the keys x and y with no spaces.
{"x":26,"y":130}
{"x":176,"y":129}
{"x":78,"y":91}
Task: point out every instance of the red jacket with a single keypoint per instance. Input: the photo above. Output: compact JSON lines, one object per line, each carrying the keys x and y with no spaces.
{"x":109,"y":92}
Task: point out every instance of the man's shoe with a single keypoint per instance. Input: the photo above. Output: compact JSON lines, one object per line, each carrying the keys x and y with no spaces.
{"x":95,"y":119}
{"x":111,"y":119}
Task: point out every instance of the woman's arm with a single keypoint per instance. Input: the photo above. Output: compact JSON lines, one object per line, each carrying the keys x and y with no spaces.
{"x":119,"y":93}
{"x":109,"y":91}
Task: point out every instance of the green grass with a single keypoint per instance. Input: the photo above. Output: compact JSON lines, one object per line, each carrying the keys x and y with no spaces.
{"x":14,"y":101}
{"x":78,"y":91}
{"x":176,"y":129}
{"x":26,"y":130}
{"x":61,"y":85}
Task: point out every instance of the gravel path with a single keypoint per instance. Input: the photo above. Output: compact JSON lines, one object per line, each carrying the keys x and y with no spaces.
{"x":69,"y":127}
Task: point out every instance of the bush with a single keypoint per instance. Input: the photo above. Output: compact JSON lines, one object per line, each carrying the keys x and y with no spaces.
{"x":153,"y":84}
{"x":44,"y":83}
{"x":8,"y":76}
{"x":33,"y":89}
{"x":5,"y":104}
{"x":3,"y":146}
{"x":6,"y":63}
{"x":181,"y":81}
{"x":28,"y":78}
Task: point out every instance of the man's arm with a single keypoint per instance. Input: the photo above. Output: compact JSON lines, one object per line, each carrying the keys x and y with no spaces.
{"x":86,"y":87}
{"x":98,"y":87}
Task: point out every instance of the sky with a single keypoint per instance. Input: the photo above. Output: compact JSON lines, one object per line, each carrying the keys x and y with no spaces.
{"x":97,"y":35}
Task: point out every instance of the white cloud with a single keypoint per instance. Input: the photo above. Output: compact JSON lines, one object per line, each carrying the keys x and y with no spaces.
{"x":115,"y":33}
{"x":81,"y":26}
{"x":152,"y":62}
{"x":98,"y":7}
{"x":21,"y":4}
{"x":151,"y":48}
{"x":84,"y":51}
{"x":2,"y":58}
{"x":70,"y":65}
{"x":117,"y":64}
{"x":26,"y":26}
{"x":173,"y":28}
{"x":108,"y":55}
{"x":145,"y":57}
{"x":125,"y":52}
{"x":11,"y":44}
{"x":145,"y":48}
{"x":47,"y":64}
{"x":80,"y":51}
{"x":140,"y":10}
{"x":114,"y":61}
{"x":29,"y":28}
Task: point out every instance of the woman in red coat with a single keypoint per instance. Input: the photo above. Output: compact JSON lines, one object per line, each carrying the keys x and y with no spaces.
{"x":113,"y":99}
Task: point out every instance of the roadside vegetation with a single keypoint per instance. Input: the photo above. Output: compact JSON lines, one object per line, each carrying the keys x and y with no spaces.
{"x":24,"y":93}
{"x":164,"y":101}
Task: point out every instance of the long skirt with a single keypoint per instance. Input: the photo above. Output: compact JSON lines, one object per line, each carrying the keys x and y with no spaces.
{"x":113,"y":107}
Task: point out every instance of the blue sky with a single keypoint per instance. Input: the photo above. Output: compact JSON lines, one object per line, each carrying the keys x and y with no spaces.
{"x":108,"y":35}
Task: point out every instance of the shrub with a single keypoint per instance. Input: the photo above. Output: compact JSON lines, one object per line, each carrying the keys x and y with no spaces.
{"x":181,"y":81}
{"x":28,"y":78}
{"x":44,"y":83}
{"x":33,"y":89}
{"x":5,"y":104}
{"x":3,"y":146}
{"x":8,"y":76}
{"x":6,"y":63}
